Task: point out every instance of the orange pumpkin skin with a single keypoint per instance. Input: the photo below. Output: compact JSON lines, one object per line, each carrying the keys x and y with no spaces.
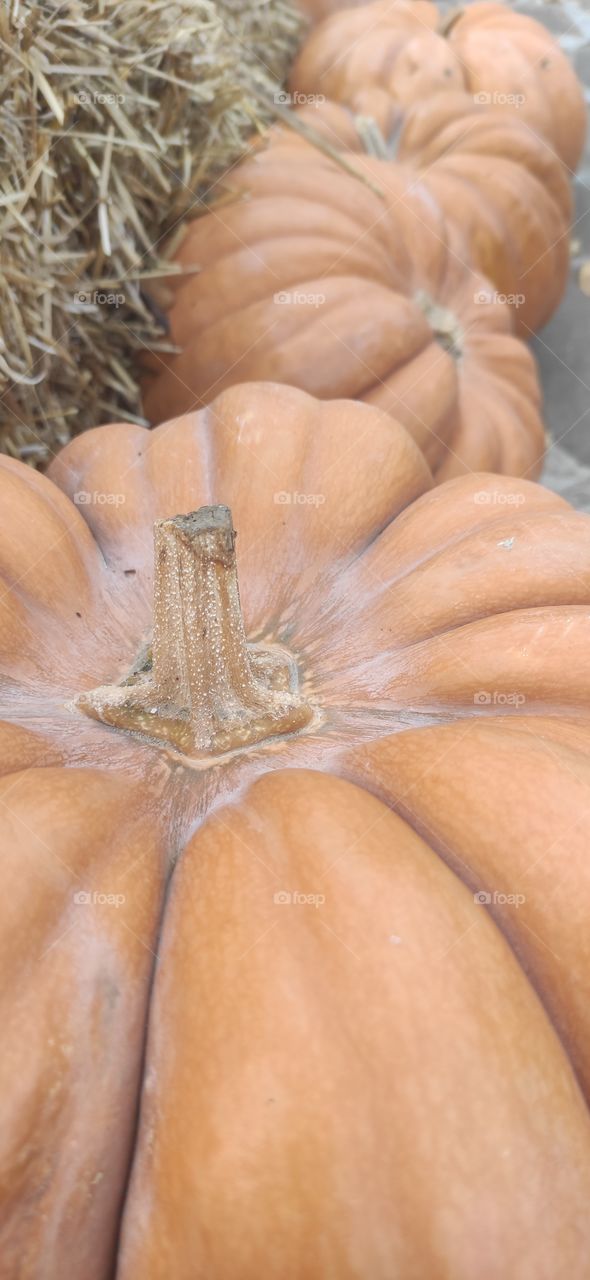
{"x":325,"y":289}
{"x":79,"y":932}
{"x":288,"y":1171}
{"x":501,"y":187}
{"x":405,"y":48}
{"x":507,"y":190}
{"x":411,"y":1007}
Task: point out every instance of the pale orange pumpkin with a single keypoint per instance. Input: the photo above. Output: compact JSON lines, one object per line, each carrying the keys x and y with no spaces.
{"x":349,"y":284}
{"x":506,"y":190}
{"x":405,"y":50}
{"x":502,"y":189}
{"x":364,"y":977}
{"x":501,"y":183}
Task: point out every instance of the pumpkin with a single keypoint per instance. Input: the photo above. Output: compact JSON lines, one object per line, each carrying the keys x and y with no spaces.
{"x":513,"y":195}
{"x":312,"y":277}
{"x":304,"y":879}
{"x":406,"y":50}
{"x":503,"y":188}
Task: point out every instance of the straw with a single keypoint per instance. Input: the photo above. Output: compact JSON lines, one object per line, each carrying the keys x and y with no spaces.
{"x":116,"y":118}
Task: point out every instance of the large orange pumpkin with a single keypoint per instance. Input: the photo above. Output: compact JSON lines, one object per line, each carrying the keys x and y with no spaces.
{"x":365,"y":977}
{"x":507,"y":190}
{"x":313,"y":278}
{"x":502,"y":187}
{"x":407,"y":50}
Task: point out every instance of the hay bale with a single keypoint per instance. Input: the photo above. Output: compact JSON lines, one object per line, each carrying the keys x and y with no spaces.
{"x":116,"y":116}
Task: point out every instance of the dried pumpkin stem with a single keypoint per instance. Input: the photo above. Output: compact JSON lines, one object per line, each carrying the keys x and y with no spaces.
{"x":449,"y":20}
{"x":444,"y":324}
{"x":206,"y":690}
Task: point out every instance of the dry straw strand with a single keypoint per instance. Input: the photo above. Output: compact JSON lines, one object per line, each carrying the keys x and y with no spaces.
{"x":117,"y":116}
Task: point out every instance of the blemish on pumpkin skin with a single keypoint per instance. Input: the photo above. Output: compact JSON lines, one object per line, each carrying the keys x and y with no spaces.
{"x":507,"y":544}
{"x":111,"y":995}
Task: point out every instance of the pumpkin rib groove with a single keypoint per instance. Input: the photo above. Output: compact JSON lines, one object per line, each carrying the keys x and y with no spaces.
{"x":554,"y":239}
{"x":525,"y":614}
{"x":449,"y":628}
{"x":34,"y":482}
{"x":76,"y":531}
{"x":316,"y":212}
{"x":365,"y":376}
{"x":471,"y":882}
{"x":291,"y":202}
{"x":452,"y":542}
{"x":422,"y":654}
{"x":118,"y":1225}
{"x":87,"y":1005}
{"x":486,"y":846}
{"x":18,"y":737}
{"x":459,"y":628}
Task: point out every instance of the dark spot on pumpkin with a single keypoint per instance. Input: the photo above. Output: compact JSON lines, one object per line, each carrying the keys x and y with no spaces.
{"x":129,"y":571}
{"x":544,"y":63}
{"x":78,"y":614}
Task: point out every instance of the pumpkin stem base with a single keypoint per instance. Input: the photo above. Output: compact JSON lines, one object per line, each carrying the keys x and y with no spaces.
{"x":203,"y":689}
{"x":444,"y":324}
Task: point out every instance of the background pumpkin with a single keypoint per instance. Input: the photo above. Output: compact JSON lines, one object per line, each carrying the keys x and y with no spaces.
{"x":408,"y":49}
{"x":313,"y":278}
{"x":402,"y":603}
{"x":504,"y":188}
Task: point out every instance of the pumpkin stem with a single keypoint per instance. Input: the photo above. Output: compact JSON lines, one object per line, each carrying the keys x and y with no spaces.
{"x":448,"y":20}
{"x":206,"y":689}
{"x":444,"y":324}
